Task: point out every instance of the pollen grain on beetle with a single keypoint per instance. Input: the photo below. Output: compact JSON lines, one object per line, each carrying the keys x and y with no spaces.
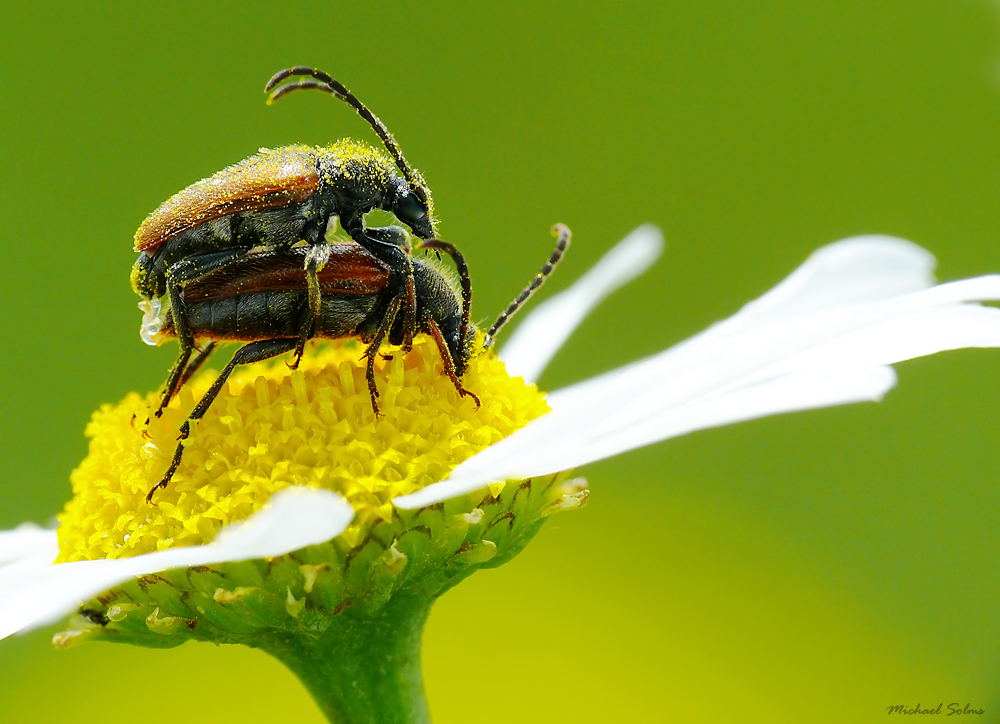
{"x":273,"y":428}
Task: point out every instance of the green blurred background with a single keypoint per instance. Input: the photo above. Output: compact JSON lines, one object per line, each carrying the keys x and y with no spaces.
{"x":816,"y":567}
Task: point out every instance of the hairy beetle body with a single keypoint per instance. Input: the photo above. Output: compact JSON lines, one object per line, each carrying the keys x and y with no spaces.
{"x":263,"y":295}
{"x":276,"y":199}
{"x":273,"y":199}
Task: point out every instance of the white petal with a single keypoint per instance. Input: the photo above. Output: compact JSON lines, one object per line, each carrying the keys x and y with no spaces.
{"x":819,"y":338}
{"x":860,"y":269}
{"x":294,"y":518}
{"x":801,"y":390}
{"x":540,"y":335}
{"x":27,"y":541}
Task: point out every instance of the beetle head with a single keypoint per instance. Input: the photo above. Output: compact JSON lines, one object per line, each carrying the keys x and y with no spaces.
{"x":413,"y":207}
{"x":412,"y":203}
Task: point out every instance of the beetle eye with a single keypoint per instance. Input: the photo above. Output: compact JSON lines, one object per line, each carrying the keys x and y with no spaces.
{"x":409,"y":209}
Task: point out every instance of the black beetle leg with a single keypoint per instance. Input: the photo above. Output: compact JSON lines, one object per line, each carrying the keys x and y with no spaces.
{"x":398,"y":258}
{"x":187,"y":270}
{"x":316,"y":258}
{"x":247,"y":354}
{"x":186,"y":340}
{"x":175,"y":379}
{"x":449,"y":363}
{"x":181,"y":372}
{"x":177,"y":276}
{"x":463,"y":274}
{"x":197,"y":362}
{"x":410,"y":313}
{"x":373,"y":347}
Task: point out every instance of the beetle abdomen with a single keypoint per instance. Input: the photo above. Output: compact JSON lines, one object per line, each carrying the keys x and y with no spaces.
{"x":349,"y":270}
{"x":269,"y":179}
{"x":275,"y":315}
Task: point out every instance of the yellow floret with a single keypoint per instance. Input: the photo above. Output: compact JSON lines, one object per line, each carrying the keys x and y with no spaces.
{"x":270,"y":428}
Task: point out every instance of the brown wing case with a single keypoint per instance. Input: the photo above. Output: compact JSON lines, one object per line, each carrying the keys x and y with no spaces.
{"x":350,"y":271}
{"x":268,"y":179}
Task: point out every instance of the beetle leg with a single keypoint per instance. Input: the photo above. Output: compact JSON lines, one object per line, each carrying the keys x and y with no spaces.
{"x":316,"y":258}
{"x":174,"y":379}
{"x":186,"y":270}
{"x":181,"y":372}
{"x":410,"y":315}
{"x":197,"y":362}
{"x":449,"y":363}
{"x":463,"y":274}
{"x":177,"y":276}
{"x":178,"y":311}
{"x":372,"y":352}
{"x":184,"y":337}
{"x":398,"y":258}
{"x":247,"y":354}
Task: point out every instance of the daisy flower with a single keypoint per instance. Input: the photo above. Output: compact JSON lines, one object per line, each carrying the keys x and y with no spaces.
{"x":301,"y":524}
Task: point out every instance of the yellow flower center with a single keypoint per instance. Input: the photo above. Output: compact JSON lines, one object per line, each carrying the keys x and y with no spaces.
{"x":270,"y":428}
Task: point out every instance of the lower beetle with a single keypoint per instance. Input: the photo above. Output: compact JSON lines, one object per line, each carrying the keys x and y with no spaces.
{"x":276,"y":199}
{"x":261,"y":298}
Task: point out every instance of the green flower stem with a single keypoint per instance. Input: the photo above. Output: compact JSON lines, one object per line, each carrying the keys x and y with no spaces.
{"x":347,"y":619}
{"x":364,"y":668}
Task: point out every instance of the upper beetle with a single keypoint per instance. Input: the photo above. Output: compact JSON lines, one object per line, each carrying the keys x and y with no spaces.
{"x":277,"y":198}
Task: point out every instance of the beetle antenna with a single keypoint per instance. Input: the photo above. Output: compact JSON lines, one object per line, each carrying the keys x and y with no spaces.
{"x":463,"y":274}
{"x":325,"y":82}
{"x":563,"y":237}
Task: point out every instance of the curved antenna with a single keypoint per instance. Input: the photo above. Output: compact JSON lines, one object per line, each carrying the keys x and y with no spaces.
{"x":326,"y":83}
{"x":564,"y":236}
{"x":463,"y":274}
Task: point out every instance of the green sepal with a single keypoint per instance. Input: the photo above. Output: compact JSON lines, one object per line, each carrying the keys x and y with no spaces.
{"x":332,"y":611}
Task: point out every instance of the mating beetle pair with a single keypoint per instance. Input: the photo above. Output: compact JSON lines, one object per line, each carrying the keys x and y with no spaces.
{"x":275,"y":199}
{"x":243,"y":256}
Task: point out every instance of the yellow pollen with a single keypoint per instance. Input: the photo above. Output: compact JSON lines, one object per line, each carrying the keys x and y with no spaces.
{"x":271,"y":428}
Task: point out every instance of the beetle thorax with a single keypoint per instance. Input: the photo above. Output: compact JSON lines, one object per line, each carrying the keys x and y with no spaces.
{"x":354,"y":175}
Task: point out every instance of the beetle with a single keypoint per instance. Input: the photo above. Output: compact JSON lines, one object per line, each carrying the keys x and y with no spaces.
{"x":261,"y":297}
{"x":278,"y":198}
